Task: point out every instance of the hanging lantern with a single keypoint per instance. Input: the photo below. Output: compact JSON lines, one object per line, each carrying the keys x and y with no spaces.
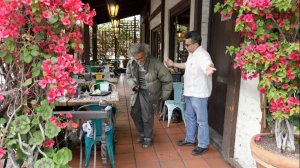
{"x":115,"y":22}
{"x":117,"y":31}
{"x":113,"y":8}
{"x":180,"y":34}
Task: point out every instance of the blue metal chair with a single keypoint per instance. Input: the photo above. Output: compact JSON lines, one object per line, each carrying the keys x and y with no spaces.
{"x":109,"y":132}
{"x":177,"y":102}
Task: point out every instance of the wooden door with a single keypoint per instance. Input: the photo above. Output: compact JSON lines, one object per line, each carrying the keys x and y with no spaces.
{"x":221,"y":34}
{"x":156,"y":43}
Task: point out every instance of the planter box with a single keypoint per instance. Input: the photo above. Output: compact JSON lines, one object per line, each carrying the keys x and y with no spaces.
{"x":268,"y":159}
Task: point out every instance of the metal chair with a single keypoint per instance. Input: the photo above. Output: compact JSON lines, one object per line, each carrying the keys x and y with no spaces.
{"x":98,"y":127}
{"x":176,"y":103}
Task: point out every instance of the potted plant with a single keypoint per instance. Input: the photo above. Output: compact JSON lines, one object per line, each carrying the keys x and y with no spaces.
{"x":37,"y":38}
{"x":270,"y":50}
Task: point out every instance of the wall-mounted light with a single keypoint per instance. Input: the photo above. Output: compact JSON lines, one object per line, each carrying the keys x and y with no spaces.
{"x":113,"y":8}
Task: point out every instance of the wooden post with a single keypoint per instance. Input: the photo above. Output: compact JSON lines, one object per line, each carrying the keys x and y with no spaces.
{"x":86,"y":49}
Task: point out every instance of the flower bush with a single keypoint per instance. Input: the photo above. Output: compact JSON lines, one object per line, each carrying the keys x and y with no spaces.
{"x":270,"y":49}
{"x":38,"y":43}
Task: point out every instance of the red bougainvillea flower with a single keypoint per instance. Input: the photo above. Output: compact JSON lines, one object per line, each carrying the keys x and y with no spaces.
{"x":69,"y":116}
{"x":48,"y":143}
{"x":74,"y":125}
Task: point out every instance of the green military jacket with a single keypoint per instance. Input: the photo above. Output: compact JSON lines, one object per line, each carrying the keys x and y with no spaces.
{"x":159,"y":83}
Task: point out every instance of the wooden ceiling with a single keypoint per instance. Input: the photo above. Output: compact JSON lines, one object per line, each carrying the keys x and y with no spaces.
{"x":127,"y":8}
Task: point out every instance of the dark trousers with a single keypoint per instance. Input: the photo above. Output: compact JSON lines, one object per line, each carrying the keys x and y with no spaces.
{"x":143,"y":115}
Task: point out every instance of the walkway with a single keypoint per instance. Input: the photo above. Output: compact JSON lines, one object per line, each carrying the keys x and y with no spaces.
{"x":163,"y":154}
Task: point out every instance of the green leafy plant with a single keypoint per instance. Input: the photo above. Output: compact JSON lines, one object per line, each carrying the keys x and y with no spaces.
{"x":39,"y":41}
{"x":270,"y":48}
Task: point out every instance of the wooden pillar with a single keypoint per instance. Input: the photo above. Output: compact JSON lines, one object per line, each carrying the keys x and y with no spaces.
{"x":86,"y":49}
{"x":94,"y":41}
{"x":198,"y":15}
{"x":134,"y":29}
{"x":162,"y":32}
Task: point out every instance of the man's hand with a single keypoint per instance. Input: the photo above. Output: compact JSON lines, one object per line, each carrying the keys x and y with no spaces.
{"x":136,"y":88}
{"x":169,"y":63}
{"x":210,"y":69}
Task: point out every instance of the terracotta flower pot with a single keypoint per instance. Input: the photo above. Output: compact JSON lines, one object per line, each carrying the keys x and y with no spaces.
{"x":268,"y":159}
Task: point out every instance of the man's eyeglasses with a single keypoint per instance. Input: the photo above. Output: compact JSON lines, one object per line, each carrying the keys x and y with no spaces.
{"x":187,"y":45}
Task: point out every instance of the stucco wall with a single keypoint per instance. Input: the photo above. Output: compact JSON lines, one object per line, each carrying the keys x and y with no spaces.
{"x":204,"y":22}
{"x":248,"y":122}
{"x":155,"y":21}
{"x":154,"y":5}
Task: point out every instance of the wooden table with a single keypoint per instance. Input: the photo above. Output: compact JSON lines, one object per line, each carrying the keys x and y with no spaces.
{"x":111,"y":80}
{"x":83,"y":82}
{"x":92,"y":115}
{"x":111,"y":98}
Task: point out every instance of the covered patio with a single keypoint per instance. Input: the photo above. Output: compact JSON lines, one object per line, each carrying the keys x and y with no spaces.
{"x":163,"y":154}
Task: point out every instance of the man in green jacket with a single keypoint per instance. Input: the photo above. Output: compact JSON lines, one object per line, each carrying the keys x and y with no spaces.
{"x":151,"y":82}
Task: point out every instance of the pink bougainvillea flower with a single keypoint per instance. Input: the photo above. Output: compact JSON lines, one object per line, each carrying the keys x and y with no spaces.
{"x":48,"y":143}
{"x":53,"y":94}
{"x":26,"y":92}
{"x":293,"y":101}
{"x":53,"y":119}
{"x":66,"y":22}
{"x":262,"y":48}
{"x":2,"y":152}
{"x":64,"y":125}
{"x":294,"y":56}
{"x":285,"y":86}
{"x":46,"y":15}
{"x":43,"y":83}
{"x":286,"y":110}
{"x":258,"y":138}
{"x":69,"y":116}
{"x":1,"y":97}
{"x":262,"y":90}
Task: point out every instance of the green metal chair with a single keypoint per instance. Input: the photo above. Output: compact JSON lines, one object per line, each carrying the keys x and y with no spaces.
{"x":98,"y":124}
{"x":90,"y":69}
{"x":177,"y":102}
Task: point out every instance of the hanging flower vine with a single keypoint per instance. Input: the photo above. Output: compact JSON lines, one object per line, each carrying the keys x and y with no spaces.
{"x":39,"y":41}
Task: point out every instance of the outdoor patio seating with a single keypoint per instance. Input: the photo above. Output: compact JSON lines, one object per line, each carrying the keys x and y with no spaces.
{"x":176,"y":103}
{"x":91,"y":139}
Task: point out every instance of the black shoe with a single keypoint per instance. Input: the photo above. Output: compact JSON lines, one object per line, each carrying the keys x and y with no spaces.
{"x":146,"y":144}
{"x":199,"y":151}
{"x":140,"y":139}
{"x":185,"y":143}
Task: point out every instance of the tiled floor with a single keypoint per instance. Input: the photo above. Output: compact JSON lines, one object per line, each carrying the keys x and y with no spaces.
{"x":163,"y":154}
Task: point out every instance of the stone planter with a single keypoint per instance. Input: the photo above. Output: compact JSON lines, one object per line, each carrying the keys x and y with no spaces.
{"x":268,"y":159}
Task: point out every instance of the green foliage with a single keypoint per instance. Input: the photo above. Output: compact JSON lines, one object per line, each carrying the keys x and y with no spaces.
{"x":44,"y":163}
{"x":45,"y":110}
{"x":270,"y":49}
{"x":51,"y":130}
{"x":2,"y":121}
{"x":27,"y":82}
{"x":36,"y":139}
{"x":282,"y":5}
{"x":21,"y":124}
{"x":63,"y":156}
